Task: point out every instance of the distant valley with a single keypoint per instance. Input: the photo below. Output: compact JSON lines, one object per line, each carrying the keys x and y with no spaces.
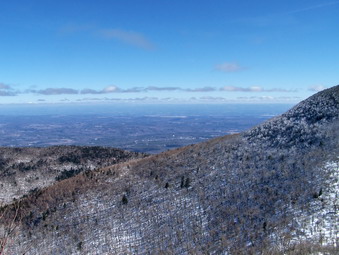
{"x":149,"y":129}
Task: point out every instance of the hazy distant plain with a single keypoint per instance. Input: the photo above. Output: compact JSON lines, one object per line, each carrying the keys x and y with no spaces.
{"x":142,"y":128}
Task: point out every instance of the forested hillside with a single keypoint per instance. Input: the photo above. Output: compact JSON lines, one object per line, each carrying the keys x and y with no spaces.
{"x":270,"y":190}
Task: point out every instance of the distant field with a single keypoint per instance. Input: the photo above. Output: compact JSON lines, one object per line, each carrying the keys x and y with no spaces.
{"x":147,"y":128}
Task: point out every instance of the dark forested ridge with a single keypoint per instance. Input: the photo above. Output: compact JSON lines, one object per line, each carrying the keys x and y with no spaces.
{"x":270,"y":190}
{"x":23,"y":170}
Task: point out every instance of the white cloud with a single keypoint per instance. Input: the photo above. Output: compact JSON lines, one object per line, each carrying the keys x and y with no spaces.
{"x":111,"y":89}
{"x":73,"y":28}
{"x":129,"y":37}
{"x":55,"y":91}
{"x":228,"y":67}
{"x":256,"y":89}
{"x":213,"y":99}
{"x":236,"y":89}
{"x":7,"y":93}
{"x":154,"y":88}
{"x":316,"y":88}
{"x":313,"y":7}
{"x":4,"y":86}
{"x":269,"y":99}
{"x":204,"y":89}
{"x":7,"y":90}
{"x":253,"y":89}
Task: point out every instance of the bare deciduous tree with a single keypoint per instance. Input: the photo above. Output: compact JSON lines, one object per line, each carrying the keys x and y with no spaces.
{"x":9,"y":226}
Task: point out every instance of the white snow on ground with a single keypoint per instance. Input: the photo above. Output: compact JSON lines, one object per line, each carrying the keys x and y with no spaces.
{"x":323,"y":224}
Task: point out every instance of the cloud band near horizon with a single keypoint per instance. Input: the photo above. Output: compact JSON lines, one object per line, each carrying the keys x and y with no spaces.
{"x":6,"y":90}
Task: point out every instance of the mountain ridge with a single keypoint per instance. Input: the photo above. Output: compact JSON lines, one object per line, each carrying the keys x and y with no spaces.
{"x":259,"y":191}
{"x":25,"y":169}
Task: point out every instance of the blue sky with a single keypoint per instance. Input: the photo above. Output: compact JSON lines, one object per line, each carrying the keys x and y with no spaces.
{"x":169,"y":51}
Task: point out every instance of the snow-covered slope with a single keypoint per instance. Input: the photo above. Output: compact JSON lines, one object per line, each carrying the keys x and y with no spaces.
{"x":23,"y":170}
{"x":273,"y":189}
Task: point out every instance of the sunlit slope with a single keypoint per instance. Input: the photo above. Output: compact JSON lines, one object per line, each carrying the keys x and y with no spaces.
{"x":271,"y":189}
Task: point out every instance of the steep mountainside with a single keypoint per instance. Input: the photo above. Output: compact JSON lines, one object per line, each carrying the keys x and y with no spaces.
{"x":273,"y":189}
{"x":23,"y":170}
